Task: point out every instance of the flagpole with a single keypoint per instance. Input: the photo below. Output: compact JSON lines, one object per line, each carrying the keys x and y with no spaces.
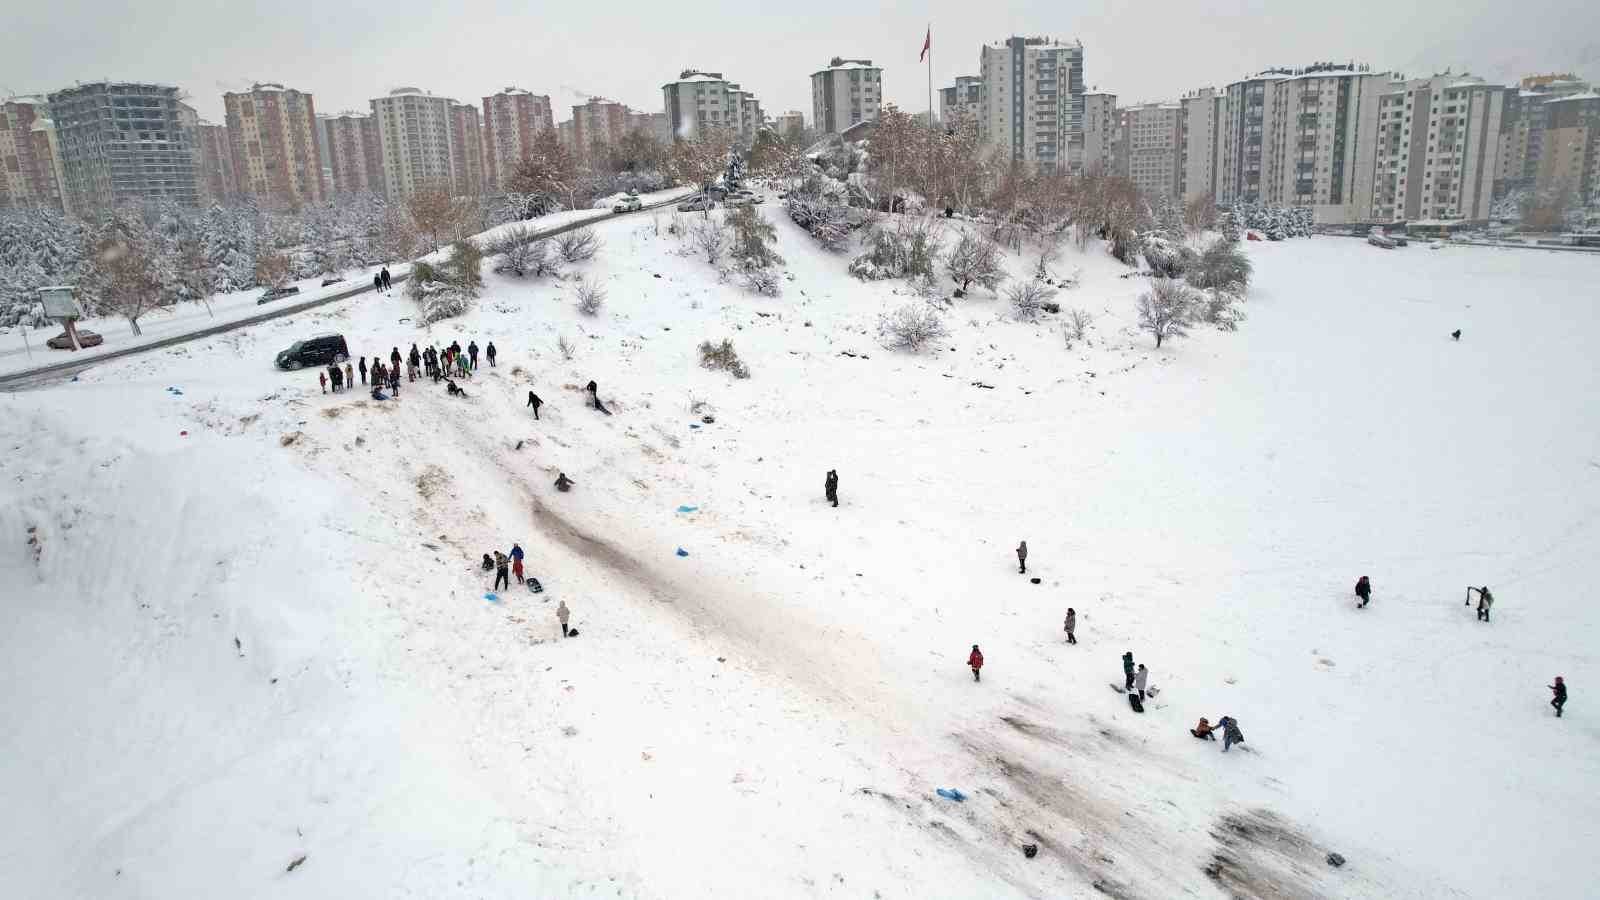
{"x":930,"y":76}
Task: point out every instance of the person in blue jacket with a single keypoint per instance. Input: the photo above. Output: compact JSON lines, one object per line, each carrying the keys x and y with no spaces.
{"x":516,"y":562}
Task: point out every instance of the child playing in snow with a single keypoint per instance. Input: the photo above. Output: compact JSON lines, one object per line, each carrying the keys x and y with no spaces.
{"x":975,"y":660}
{"x":1203,"y":731}
{"x":323,"y":378}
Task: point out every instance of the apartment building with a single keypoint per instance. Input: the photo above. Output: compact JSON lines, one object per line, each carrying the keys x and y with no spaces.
{"x":213,"y":154}
{"x":654,"y":124}
{"x":1569,"y":158}
{"x":1437,"y":145}
{"x":791,"y":123}
{"x":31,"y":173}
{"x":355,"y":153}
{"x":1522,"y":128}
{"x":414,"y":138}
{"x":1152,"y":138}
{"x":510,"y":120}
{"x":273,"y":134}
{"x":1203,"y":112}
{"x":466,"y":150}
{"x":700,"y":100}
{"x":846,"y":92}
{"x":963,"y":99}
{"x":122,"y":141}
{"x":1032,"y":101}
{"x":599,"y":121}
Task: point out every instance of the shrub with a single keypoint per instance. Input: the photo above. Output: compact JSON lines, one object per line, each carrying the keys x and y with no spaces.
{"x":442,"y":300}
{"x":763,"y":281}
{"x":1221,"y":266}
{"x":591,"y":296}
{"x":821,"y":206}
{"x":975,"y":258}
{"x":543,"y":260}
{"x":753,"y":237}
{"x":564,"y":347}
{"x":1219,"y":308}
{"x":910,"y":249}
{"x":1077,"y":325}
{"x":514,"y":246}
{"x":911,"y":327}
{"x":578,"y":245}
{"x":711,"y":237}
{"x":723,"y":356}
{"x":1027,"y":299}
{"x":464,"y":268}
{"x":1166,"y":258}
{"x":1166,"y":310}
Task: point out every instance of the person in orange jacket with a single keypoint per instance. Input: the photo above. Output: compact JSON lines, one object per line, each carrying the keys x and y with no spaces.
{"x":1203,"y":730}
{"x":975,"y":660}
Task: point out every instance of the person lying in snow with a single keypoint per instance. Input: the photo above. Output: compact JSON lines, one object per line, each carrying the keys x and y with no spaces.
{"x":1203,"y":730}
{"x":453,"y":390}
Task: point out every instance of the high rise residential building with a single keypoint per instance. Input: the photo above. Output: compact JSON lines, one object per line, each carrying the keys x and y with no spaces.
{"x":31,"y":173}
{"x":654,"y":124}
{"x":1522,"y":128}
{"x":1102,"y":133}
{"x":962,"y":99}
{"x":844,"y":93}
{"x":1301,"y":138}
{"x":414,"y":135}
{"x":1032,"y":103}
{"x":1437,"y":143}
{"x":1203,"y":111}
{"x":355,"y":153}
{"x":510,"y":120}
{"x":466,"y":150}
{"x":701,"y":100}
{"x":214,"y":163}
{"x":598,"y":121}
{"x":790,"y":124}
{"x":1152,"y":135}
{"x":568,"y":134}
{"x":122,"y":141}
{"x":276,"y":159}
{"x":1569,"y":158}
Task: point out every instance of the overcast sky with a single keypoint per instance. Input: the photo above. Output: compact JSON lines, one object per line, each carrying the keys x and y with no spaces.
{"x":346,"y":53}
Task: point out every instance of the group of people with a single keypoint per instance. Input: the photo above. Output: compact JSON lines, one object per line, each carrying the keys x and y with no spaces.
{"x":509,"y":565}
{"x":1228,"y":725}
{"x":380,"y":280}
{"x":440,"y":365}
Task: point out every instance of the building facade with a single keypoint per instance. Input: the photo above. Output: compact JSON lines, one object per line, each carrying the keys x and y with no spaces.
{"x":1569,"y":159}
{"x":790,"y":124}
{"x":1152,"y":140}
{"x":962,"y":99}
{"x":31,"y":173}
{"x":1438,"y":140}
{"x":214,"y":163}
{"x":510,"y":120}
{"x":653,"y":124}
{"x":414,"y":136}
{"x":1522,"y":128}
{"x":273,"y":133}
{"x":466,"y":150}
{"x":355,"y":153}
{"x":701,"y":100}
{"x":1032,"y":101}
{"x":599,"y":121}
{"x":848,"y":91}
{"x":122,"y":141}
{"x":1203,"y":112}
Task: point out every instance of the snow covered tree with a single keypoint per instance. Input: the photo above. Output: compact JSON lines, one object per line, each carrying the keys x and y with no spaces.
{"x":464,"y":268}
{"x":435,"y":213}
{"x":820,"y":205}
{"x":229,"y":245}
{"x":753,"y":237}
{"x":700,"y":159}
{"x":711,"y":237}
{"x":273,"y":268}
{"x":1199,"y":214}
{"x":911,"y":326}
{"x":124,"y":277}
{"x":975,"y":258}
{"x":548,"y":171}
{"x":1223,"y":266}
{"x":398,"y":240}
{"x":1166,"y":310}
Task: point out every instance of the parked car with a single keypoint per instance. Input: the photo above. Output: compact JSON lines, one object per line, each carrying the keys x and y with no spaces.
{"x":1377,"y":238}
{"x":697,"y":203}
{"x":629,"y":203}
{"x":316,"y":351}
{"x":272,"y":294}
{"x":1399,"y":239}
{"x":85,"y":339}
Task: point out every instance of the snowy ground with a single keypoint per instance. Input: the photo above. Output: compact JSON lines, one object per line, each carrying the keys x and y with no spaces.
{"x":771,"y":714}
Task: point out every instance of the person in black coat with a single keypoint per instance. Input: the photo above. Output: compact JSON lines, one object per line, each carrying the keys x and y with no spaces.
{"x":489,"y":352}
{"x":377,"y":282}
{"x":535,"y":402}
{"x":830,"y":487}
{"x":1364,"y":591}
{"x":1559,"y":689}
{"x":363,"y":362}
{"x":472,"y":352}
{"x":385,"y":276}
{"x":1127,"y":669}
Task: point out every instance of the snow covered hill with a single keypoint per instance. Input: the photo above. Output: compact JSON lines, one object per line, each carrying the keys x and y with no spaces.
{"x":253,"y":628}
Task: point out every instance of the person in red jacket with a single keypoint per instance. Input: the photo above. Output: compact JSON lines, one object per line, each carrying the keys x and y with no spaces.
{"x":975,"y":660}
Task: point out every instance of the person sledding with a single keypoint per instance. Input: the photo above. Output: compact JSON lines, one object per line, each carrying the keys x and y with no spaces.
{"x":975,"y":661}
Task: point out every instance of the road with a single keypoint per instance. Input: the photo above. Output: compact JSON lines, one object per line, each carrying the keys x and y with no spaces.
{"x":28,"y":379}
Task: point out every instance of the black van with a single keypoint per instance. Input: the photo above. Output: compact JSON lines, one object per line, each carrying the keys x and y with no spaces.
{"x":317,"y":351}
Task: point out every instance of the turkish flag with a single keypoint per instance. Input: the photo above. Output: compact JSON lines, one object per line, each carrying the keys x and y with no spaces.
{"x":927,"y":42}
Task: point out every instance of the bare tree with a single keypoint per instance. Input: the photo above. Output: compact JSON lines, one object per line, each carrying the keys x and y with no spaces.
{"x":272,"y":268}
{"x":435,"y":213}
{"x":1166,"y":310}
{"x":125,"y":275}
{"x":711,"y":237}
{"x":547,"y":170}
{"x":1200,"y":214}
{"x":700,"y":159}
{"x":578,"y":245}
{"x":911,"y":327}
{"x":1027,"y":298}
{"x":397,"y":235}
{"x":975,"y":258}
{"x":591,"y":296}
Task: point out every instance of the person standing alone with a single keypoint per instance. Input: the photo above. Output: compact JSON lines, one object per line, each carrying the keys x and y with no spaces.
{"x":1559,"y":689}
{"x":830,"y":487}
{"x":1071,"y":625}
{"x":1022,"y":558}
{"x":562,"y":614}
{"x":975,"y":660}
{"x":1127,"y":669}
{"x":1364,"y":591}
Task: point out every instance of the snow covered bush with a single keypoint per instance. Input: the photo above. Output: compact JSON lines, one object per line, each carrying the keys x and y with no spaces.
{"x":1219,"y":308}
{"x":753,"y":238}
{"x":1166,"y":257}
{"x":723,"y":356}
{"x":441,"y":301}
{"x":123,"y":272}
{"x":1076,"y":327}
{"x":1223,"y":266}
{"x":578,"y":245}
{"x":1027,"y":299}
{"x":1166,"y":310}
{"x":976,"y":258}
{"x":765,"y":282}
{"x":911,"y":326}
{"x":821,"y":206}
{"x":514,"y":246}
{"x":710,"y":237}
{"x":591,"y":296}
{"x":909,"y":249}
{"x":464,"y":267}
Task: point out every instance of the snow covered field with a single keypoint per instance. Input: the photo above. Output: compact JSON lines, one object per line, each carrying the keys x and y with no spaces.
{"x":268,"y":638}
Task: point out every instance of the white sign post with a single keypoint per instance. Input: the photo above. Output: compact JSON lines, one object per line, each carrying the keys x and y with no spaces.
{"x":61,"y":303}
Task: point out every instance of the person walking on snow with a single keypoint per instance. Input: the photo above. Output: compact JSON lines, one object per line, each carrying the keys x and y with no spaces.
{"x":516,"y":562}
{"x":535,"y":402}
{"x":1485,"y":601}
{"x":1141,"y":679}
{"x":563,"y":614}
{"x":1559,"y":689}
{"x":1127,"y":669}
{"x":975,"y":660}
{"x":363,"y":367}
{"x":377,"y":282}
{"x":1230,"y":732}
{"x":1071,"y":625}
{"x":472,"y":352}
{"x":322,"y":377}
{"x":830,"y":487}
{"x":502,"y":575}
{"x":387,"y":283}
{"x":489,"y":352}
{"x":1022,"y":558}
{"x":1364,"y":591}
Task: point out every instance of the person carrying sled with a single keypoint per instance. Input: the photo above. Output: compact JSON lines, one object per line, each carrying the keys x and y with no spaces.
{"x":1127,"y":669}
{"x":1071,"y":625}
{"x":1230,"y":732}
{"x":1203,"y":731}
{"x":562,"y":615}
{"x":1559,"y":690}
{"x":1364,"y":591}
{"x":516,"y":562}
{"x":502,"y":574}
{"x":1022,"y":558}
{"x":975,"y":661}
{"x":830,"y":487}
